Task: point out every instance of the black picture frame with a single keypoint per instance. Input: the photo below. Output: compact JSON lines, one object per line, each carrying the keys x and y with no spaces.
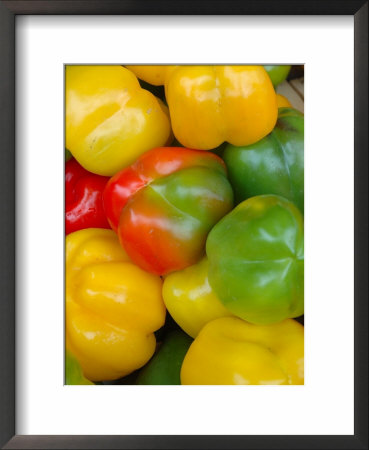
{"x":8,"y":11}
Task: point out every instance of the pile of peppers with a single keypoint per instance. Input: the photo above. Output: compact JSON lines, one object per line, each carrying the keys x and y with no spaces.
{"x":184,"y":203}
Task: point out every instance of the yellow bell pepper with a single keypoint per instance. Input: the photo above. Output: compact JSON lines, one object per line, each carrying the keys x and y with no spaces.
{"x":231,"y":351}
{"x":212,"y":104}
{"x":112,"y":306}
{"x":110,"y":120}
{"x":154,"y":75}
{"x":190,"y":299}
{"x":283,"y":101}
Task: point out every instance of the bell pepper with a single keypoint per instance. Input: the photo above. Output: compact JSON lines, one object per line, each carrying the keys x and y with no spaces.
{"x":110,"y":120}
{"x":68,"y":155}
{"x":112,"y":306}
{"x":212,"y":104}
{"x":190,"y":299}
{"x":256,"y":260}
{"x":283,"y":102}
{"x":73,"y":371}
{"x":165,"y":365}
{"x":231,"y":351}
{"x":83,"y":198}
{"x":152,"y":74}
{"x":164,"y":205}
{"x":156,"y":75}
{"x":274,"y":165}
{"x":278,"y":73}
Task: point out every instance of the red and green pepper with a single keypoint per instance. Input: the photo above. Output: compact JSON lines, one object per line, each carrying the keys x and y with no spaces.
{"x":164,"y":205}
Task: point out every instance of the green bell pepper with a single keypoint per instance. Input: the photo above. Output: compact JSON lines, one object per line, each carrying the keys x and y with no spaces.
{"x":73,"y":371}
{"x":277,"y":73}
{"x":273,"y":165}
{"x":68,"y":155}
{"x":256,"y":260}
{"x":165,"y":366}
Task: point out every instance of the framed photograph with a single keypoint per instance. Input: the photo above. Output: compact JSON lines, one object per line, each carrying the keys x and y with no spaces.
{"x":55,"y":55}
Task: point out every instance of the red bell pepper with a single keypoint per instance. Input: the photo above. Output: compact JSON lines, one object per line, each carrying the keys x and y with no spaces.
{"x":83,"y":198}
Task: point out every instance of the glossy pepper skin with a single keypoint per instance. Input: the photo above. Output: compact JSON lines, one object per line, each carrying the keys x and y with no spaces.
{"x":190,"y":299}
{"x":110,"y":120}
{"x":165,"y":366}
{"x":278,"y":73}
{"x":231,"y":351}
{"x":256,"y":260}
{"x":152,"y":74}
{"x":212,"y":104}
{"x":156,"y":75}
{"x":83,"y":198}
{"x":166,"y":203}
{"x":73,"y":371}
{"x":274,"y":165}
{"x":112,"y":306}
